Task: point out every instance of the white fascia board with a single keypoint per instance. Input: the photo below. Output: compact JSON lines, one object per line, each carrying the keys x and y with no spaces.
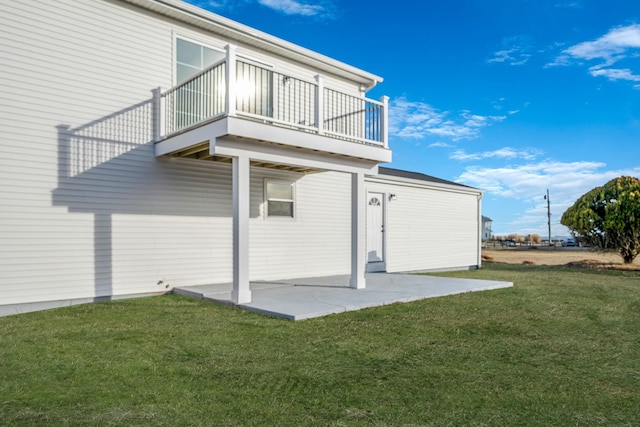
{"x":190,"y":137}
{"x":260,"y":132}
{"x":281,"y":135}
{"x":233,"y":30}
{"x":416,"y":183}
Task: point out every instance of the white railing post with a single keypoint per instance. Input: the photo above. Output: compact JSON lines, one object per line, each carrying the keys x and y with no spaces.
{"x":320,"y":105}
{"x":157,"y":126}
{"x":231,"y":81}
{"x":385,"y":121}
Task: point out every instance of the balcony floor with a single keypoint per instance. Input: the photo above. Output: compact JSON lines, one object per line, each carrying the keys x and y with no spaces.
{"x":271,"y":146}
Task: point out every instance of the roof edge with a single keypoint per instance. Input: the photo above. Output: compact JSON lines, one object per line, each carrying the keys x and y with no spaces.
{"x":205,"y":19}
{"x":417,"y":176}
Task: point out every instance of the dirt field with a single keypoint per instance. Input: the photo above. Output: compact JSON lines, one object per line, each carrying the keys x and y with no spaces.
{"x":557,"y":256}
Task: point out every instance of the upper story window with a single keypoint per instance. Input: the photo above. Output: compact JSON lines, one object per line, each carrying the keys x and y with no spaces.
{"x":280,"y":198}
{"x":195,"y":100}
{"x":192,"y":58}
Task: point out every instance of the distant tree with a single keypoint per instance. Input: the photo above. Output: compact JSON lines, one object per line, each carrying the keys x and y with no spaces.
{"x":513,"y":236}
{"x":608,"y":217}
{"x":536,"y":238}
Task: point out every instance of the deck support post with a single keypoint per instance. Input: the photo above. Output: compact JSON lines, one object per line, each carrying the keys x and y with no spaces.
{"x":357,"y":280}
{"x":241,"y":293}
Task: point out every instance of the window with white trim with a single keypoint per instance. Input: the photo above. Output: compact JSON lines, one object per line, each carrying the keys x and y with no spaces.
{"x":279,"y":198}
{"x":197,"y":99}
{"x":192,"y":58}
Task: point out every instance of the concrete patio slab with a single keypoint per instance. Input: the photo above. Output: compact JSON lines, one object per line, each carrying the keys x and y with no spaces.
{"x":305,"y":298}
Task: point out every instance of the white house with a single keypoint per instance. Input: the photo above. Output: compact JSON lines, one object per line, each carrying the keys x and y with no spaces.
{"x":486,"y":228}
{"x":148,"y":144}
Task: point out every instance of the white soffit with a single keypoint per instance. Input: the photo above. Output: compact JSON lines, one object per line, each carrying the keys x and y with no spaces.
{"x":234,"y":31}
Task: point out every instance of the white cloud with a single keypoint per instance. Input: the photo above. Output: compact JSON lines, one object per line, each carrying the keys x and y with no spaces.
{"x":440,"y":145}
{"x":515,"y":51}
{"x":286,"y":7}
{"x":292,"y":7}
{"x":528,"y":184}
{"x":616,"y":74}
{"x":609,"y":48}
{"x":526,"y":181}
{"x":502,"y":153}
{"x":207,"y":4}
{"x":418,"y":120}
{"x":510,"y":56}
{"x":618,"y":44}
{"x":499,"y":105}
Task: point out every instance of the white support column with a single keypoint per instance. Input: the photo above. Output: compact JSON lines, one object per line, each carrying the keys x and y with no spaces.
{"x":241,"y":293}
{"x":357,"y":280}
{"x":385,"y":121}
{"x":320,"y":105}
{"x":230,"y":80}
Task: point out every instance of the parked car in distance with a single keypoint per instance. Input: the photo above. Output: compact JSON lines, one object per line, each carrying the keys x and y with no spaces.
{"x":508,"y":242}
{"x":570,"y":242}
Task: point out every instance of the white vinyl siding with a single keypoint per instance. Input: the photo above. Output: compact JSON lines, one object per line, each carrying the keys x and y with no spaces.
{"x":429,"y":228}
{"x":62,"y":73}
{"x":86,"y":210}
{"x":317,"y":243}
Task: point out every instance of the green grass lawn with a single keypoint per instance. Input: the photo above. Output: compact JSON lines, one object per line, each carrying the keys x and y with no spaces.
{"x":562,"y":347}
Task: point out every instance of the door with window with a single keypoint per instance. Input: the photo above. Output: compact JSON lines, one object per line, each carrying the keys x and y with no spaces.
{"x":375,"y":232}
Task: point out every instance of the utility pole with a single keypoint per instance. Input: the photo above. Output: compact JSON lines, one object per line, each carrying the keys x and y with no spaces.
{"x":548,"y":214}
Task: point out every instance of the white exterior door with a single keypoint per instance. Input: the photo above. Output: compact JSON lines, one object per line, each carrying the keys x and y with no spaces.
{"x":375,"y":232}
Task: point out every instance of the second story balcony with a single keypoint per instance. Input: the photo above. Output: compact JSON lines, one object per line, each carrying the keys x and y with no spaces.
{"x":244,"y":99}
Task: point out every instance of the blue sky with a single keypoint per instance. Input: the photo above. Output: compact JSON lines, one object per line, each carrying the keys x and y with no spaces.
{"x":511,"y":96}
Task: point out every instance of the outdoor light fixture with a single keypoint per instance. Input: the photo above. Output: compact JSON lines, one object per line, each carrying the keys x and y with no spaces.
{"x":392,"y":197}
{"x":286,"y":80}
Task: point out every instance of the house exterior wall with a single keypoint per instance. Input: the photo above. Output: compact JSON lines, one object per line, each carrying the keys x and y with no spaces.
{"x":282,"y":65}
{"x":486,"y":228}
{"x":316,"y":242}
{"x":429,"y":227}
{"x":86,"y":210}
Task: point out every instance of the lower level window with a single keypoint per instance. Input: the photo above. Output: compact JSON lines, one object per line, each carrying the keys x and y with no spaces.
{"x":280,"y":198}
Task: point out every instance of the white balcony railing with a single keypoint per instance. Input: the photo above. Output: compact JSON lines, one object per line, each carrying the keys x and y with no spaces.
{"x":259,"y":93}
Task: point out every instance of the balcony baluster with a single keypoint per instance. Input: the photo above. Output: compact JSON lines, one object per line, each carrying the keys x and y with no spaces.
{"x":260,"y":93}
